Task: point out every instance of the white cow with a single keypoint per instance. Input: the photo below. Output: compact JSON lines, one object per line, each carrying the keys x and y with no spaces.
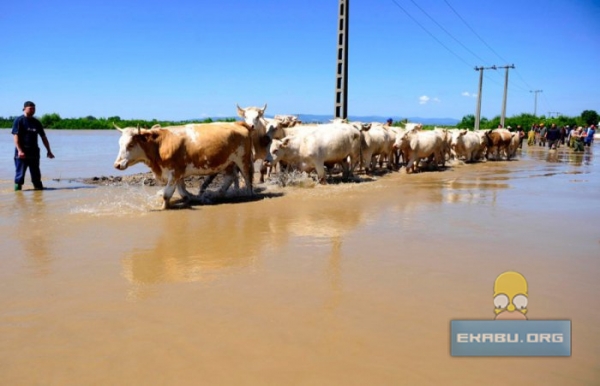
{"x":396,"y":132}
{"x":261,"y":136}
{"x":325,"y":144}
{"x":376,"y":141}
{"x":420,"y":144}
{"x":467,"y":144}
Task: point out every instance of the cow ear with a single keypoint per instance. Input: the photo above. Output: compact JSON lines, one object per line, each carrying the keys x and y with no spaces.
{"x":240,"y":111}
{"x":285,"y":142}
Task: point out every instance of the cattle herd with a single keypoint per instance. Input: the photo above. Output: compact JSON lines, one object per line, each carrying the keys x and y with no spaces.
{"x":232,"y":148}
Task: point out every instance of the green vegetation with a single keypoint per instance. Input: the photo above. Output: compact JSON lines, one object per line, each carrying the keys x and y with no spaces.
{"x":527,"y":120}
{"x":54,"y":121}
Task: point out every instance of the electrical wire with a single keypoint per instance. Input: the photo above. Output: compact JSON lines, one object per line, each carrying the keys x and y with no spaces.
{"x":432,"y":35}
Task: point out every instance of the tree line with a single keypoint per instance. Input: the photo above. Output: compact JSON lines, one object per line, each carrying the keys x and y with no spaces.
{"x":54,"y":121}
{"x":526,"y":121}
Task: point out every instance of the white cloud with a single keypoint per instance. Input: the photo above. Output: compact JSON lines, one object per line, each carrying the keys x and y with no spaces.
{"x":423,"y":100}
{"x":468,"y":94}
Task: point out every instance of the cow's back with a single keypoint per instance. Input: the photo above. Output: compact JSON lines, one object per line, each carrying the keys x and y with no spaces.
{"x":211,"y":147}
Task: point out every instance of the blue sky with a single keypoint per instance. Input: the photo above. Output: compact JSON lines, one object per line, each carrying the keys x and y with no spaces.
{"x":180,"y":59}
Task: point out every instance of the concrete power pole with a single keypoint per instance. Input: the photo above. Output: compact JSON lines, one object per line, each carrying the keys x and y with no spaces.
{"x":478,"y":110}
{"x":535,"y":101}
{"x":341,"y":79}
{"x":503,"y":116}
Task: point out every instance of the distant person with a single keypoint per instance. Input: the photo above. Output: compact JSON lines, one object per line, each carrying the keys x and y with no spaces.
{"x":579,"y":137}
{"x":25,"y":132}
{"x":531,"y":135}
{"x":571,"y":137}
{"x":543,"y":131}
{"x":553,"y":136}
{"x":589,"y":137}
{"x":521,"y":134}
{"x":390,"y":121}
{"x":563,"y":134}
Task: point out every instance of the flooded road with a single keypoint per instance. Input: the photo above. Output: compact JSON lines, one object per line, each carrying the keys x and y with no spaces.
{"x":346,"y":284}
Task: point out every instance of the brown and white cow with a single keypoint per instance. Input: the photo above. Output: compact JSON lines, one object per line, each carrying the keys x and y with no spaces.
{"x":498,"y":141}
{"x":194,"y":149}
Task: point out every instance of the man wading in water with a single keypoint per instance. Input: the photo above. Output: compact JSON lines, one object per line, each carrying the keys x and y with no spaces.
{"x":25,"y":132}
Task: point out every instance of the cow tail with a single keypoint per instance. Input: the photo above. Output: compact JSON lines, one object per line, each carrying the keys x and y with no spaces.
{"x":360,"y":152}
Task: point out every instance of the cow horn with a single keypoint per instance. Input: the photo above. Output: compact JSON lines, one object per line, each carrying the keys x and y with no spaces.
{"x":264,"y":108}
{"x":139,"y":131}
{"x":117,"y":127}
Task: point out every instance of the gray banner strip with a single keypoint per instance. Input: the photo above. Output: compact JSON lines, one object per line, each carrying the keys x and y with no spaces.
{"x":542,"y":338}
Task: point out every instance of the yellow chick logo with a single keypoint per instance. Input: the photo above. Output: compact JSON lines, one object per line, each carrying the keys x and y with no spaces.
{"x":510,"y":296}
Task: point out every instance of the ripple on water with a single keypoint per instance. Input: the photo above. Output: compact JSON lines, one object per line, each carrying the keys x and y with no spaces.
{"x":121,"y":201}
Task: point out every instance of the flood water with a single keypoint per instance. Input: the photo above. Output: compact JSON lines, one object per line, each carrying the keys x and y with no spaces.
{"x":343,"y":284}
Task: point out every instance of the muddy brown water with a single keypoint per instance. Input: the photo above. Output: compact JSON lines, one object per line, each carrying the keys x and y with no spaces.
{"x":344,"y":284}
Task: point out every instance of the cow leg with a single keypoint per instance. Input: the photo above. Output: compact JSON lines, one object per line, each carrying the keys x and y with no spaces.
{"x":227,"y":181}
{"x":168,"y":193}
{"x":247,"y":170}
{"x":185,"y":195}
{"x":367,"y":160}
{"x":320,"y":168}
{"x":345,"y":169}
{"x":207,"y":181}
{"x":443,"y":158}
{"x":410,"y":164}
{"x":263,"y":171}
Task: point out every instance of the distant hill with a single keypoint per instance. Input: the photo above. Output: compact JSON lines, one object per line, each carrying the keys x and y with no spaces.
{"x":375,"y":118}
{"x":309,"y":118}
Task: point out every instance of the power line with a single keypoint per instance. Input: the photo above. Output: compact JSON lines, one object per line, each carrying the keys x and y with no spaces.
{"x":475,"y":33}
{"x":446,"y":31}
{"x":430,"y":34}
{"x":493,"y":80}
{"x":488,"y":46}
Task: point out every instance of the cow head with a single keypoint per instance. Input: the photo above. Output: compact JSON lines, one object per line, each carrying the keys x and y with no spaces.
{"x":253,"y":116}
{"x":401,"y":138}
{"x":130,"y":149}
{"x":274,"y":128}
{"x":276,"y":149}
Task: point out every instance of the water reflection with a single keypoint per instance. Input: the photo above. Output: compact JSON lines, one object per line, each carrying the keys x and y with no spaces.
{"x":32,"y":231}
{"x":194,"y":247}
{"x":563,"y":154}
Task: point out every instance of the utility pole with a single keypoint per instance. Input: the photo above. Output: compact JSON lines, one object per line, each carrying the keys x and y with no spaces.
{"x":535,"y":101}
{"x":478,"y":110}
{"x":341,"y":79}
{"x":503,"y":116}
